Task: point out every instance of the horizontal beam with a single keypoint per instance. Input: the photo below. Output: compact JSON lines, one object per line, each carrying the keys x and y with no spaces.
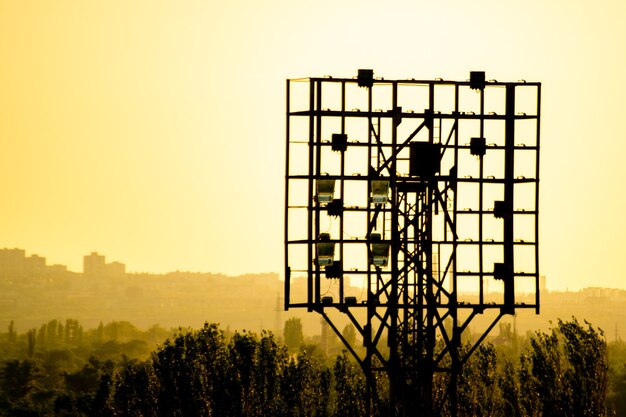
{"x":461,"y":305}
{"x":410,"y":115}
{"x":412,"y":81}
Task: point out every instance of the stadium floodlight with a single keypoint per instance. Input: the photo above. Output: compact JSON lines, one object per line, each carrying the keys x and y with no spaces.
{"x":380,"y":191}
{"x":325,"y":191}
{"x":379,"y":250}
{"x":325,"y":250}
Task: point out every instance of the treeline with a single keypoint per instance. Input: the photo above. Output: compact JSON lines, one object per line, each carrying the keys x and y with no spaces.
{"x":116,"y":337}
{"x":210,"y":372}
{"x":52,"y":369}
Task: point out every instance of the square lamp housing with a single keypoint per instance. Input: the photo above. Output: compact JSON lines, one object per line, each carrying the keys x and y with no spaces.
{"x":325,"y":191}
{"x":380,"y":191}
{"x":379,"y":250}
{"x":325,"y":250}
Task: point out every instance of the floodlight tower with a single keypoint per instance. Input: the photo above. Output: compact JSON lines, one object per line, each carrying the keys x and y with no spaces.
{"x":424,"y":195}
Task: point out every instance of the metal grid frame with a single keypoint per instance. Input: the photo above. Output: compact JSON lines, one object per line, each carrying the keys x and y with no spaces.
{"x":436,"y":160}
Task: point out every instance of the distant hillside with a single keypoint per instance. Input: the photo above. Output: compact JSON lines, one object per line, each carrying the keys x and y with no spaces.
{"x":32,"y":293}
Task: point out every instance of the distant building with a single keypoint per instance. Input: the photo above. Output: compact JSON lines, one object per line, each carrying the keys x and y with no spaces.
{"x":94,"y":265}
{"x":116,"y":269}
{"x":34,"y":265}
{"x":12,"y":262}
{"x":57,"y":269}
{"x":599,"y":293}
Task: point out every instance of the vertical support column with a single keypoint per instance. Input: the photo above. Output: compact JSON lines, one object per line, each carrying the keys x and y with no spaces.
{"x":396,"y":382}
{"x":370,"y":381}
{"x":310,"y":209}
{"x":318,"y":172}
{"x":455,"y":340}
{"x":509,"y":160}
{"x":428,"y":249}
{"x":342,"y":194}
{"x":286,"y":231}
{"x":481,"y":214}
{"x":426,"y":308}
{"x":537,"y":295}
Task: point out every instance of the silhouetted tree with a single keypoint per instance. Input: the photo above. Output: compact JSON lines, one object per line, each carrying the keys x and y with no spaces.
{"x":292,"y":333}
{"x":12,"y":333}
{"x":565,"y":372}
{"x":41,"y":335}
{"x":478,"y":389}
{"x":18,"y":378}
{"x":305,"y":387}
{"x":349,"y":388}
{"x":561,"y":373}
{"x":31,"y":337}
{"x":618,"y":397}
{"x":135,"y":392}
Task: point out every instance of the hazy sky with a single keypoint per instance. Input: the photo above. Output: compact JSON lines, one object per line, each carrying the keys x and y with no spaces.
{"x":153,"y":131}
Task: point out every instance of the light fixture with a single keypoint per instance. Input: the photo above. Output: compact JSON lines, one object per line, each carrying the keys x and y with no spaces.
{"x":379,"y":250}
{"x":325,"y":250}
{"x":380,"y":191}
{"x":325,"y":191}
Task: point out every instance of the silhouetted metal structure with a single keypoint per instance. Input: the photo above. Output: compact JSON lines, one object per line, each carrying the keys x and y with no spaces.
{"x":423,"y":193}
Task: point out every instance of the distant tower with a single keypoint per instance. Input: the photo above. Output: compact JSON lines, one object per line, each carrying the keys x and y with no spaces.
{"x":278,"y":322}
{"x":94,"y":265}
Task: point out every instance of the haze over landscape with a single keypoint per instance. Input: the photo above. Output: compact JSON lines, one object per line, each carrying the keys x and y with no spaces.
{"x":154,"y":131}
{"x":142,"y":183}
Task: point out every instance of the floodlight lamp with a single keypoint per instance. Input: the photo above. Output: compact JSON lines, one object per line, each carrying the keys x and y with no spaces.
{"x":379,"y":250}
{"x":327,"y":300}
{"x":325,"y":250}
{"x":380,"y":191}
{"x":325,"y":191}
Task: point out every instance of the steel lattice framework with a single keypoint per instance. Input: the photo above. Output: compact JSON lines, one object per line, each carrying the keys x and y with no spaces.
{"x":424,"y":194}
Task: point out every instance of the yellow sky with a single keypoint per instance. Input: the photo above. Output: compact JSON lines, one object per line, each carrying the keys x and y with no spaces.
{"x":153,"y":131}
